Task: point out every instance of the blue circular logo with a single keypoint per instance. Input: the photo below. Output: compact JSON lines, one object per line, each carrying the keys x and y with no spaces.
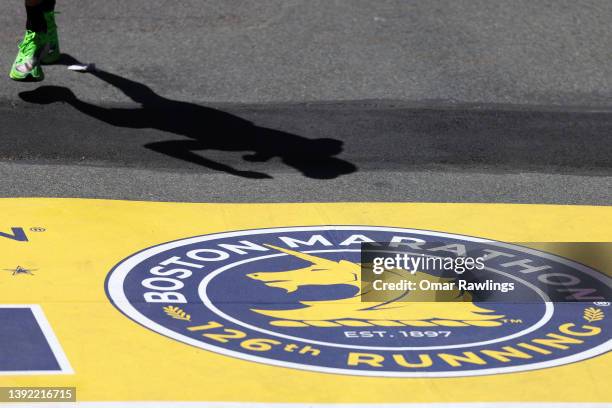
{"x":291,"y":297}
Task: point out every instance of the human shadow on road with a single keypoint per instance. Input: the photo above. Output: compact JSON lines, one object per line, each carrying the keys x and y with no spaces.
{"x":206,"y":128}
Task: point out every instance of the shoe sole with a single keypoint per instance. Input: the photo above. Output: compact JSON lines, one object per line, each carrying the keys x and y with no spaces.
{"x":27,"y":78}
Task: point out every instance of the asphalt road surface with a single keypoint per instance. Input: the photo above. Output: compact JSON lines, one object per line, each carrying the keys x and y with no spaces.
{"x":303,"y":152}
{"x":466,"y":101}
{"x":476,"y":51}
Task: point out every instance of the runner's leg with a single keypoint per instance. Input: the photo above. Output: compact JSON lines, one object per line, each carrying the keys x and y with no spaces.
{"x":33,"y":46}
{"x":35,"y":16}
{"x":48,"y":5}
{"x":51,"y":39}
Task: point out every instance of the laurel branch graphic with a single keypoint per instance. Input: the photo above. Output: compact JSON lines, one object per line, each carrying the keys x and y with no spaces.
{"x":177,"y":313}
{"x":593,"y":314}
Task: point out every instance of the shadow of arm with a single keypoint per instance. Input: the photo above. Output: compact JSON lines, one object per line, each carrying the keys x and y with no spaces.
{"x":124,"y":117}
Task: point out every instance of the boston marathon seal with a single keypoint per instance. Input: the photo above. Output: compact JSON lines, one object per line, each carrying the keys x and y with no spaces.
{"x":292,"y":297}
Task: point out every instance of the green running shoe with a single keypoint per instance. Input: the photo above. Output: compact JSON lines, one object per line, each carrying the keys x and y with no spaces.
{"x":52,"y":39}
{"x":27,"y":64}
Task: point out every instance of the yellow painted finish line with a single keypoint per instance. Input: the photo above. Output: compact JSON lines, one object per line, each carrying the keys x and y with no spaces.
{"x":57,"y":254}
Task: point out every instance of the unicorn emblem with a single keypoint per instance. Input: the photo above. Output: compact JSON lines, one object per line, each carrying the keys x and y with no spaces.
{"x":409,"y":309}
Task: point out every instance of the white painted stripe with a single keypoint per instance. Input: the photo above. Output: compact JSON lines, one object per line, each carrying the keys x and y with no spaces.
{"x":169,"y":404}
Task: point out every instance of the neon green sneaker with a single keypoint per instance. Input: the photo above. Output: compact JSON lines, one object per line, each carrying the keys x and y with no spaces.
{"x":52,"y":39}
{"x":27,"y":64}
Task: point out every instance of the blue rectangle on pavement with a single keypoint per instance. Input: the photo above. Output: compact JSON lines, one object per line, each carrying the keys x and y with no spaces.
{"x":23,"y":344}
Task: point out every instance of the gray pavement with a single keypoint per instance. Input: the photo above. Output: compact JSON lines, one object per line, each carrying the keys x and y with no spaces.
{"x":360,"y":151}
{"x":478,"y":51}
{"x":316,"y":100}
{"x":55,"y":180}
{"x":321,"y":141}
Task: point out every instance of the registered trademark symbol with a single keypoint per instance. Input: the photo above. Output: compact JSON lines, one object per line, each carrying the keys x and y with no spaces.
{"x":38,"y":229}
{"x":604,"y":304}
